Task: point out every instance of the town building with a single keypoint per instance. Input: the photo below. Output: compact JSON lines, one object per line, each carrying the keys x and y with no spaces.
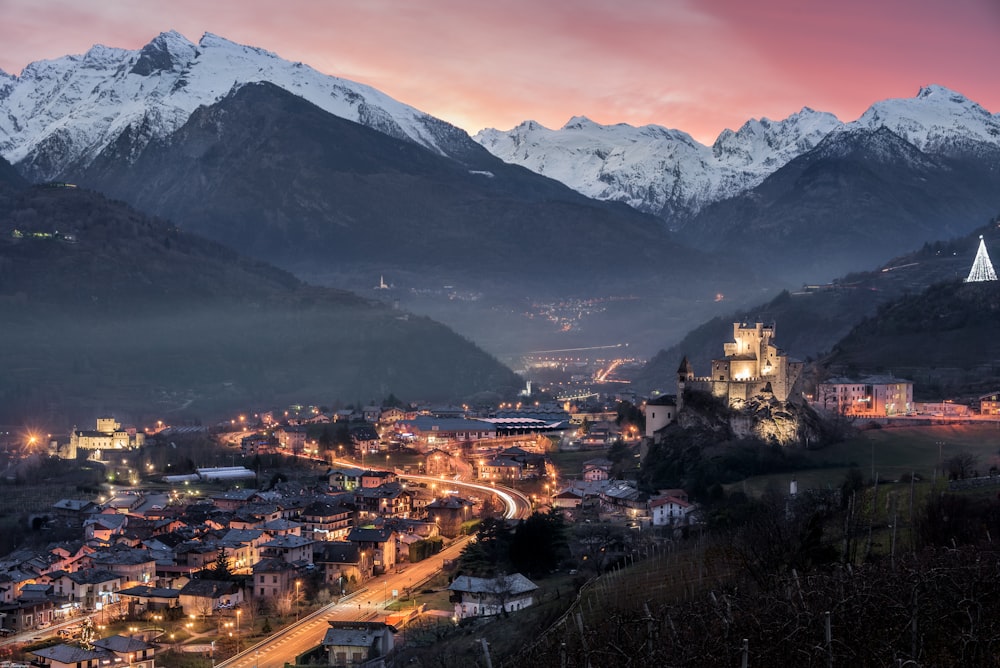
{"x":871,"y":396}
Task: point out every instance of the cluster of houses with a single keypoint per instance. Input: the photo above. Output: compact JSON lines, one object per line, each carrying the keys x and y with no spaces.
{"x":614,"y":499}
{"x":134,"y":557}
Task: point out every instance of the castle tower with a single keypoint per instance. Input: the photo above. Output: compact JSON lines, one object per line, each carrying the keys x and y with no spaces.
{"x":685,"y":372}
{"x":982,"y":268}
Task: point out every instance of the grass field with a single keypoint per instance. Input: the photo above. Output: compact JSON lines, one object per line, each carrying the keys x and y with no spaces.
{"x":890,"y":453}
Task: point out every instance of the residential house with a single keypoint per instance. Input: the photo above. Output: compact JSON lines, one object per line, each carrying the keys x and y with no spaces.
{"x":342,"y":563}
{"x":380,"y":544}
{"x":142,"y":599}
{"x":243,"y":548}
{"x":25,"y":614}
{"x":290,"y":548}
{"x":485,"y":597}
{"x":365,"y":438}
{"x":597,"y":469}
{"x":377,"y":478}
{"x":135,"y":566}
{"x":90,"y":589}
{"x":350,"y":644}
{"x":103,"y":527}
{"x":204,"y":597}
{"x":137,"y":652}
{"x":389,"y":500}
{"x":670,"y":508}
{"x":72,"y":656}
{"x":273,"y":578}
{"x":622,"y":497}
{"x":500,"y":470}
{"x":291,"y":438}
{"x":449,"y":513}
{"x":325,"y":521}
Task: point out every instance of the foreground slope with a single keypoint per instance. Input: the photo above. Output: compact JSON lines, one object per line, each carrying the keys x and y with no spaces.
{"x":108,"y":310}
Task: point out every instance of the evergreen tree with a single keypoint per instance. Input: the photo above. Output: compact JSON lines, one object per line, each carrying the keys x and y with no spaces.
{"x":221,"y":570}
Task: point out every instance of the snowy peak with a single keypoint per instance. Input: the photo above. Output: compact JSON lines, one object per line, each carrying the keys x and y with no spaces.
{"x":168,"y":52}
{"x":934,"y":119}
{"x":666,"y":172}
{"x":61,"y":114}
{"x":656,"y":169}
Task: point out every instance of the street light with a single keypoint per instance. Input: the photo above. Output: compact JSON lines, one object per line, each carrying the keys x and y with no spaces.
{"x":297,"y":583}
{"x":238,"y":613}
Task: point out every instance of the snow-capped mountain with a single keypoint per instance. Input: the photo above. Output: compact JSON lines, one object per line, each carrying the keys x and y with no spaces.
{"x":935,"y":121}
{"x":667,"y":173}
{"x":62,"y":113}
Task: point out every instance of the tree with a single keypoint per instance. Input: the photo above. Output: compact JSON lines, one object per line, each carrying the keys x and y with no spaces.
{"x":961,"y":466}
{"x":490,"y":553}
{"x":221,"y":569}
{"x":539,"y":543}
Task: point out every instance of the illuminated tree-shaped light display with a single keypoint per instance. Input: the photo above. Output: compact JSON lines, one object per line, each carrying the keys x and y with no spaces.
{"x":982,"y":268}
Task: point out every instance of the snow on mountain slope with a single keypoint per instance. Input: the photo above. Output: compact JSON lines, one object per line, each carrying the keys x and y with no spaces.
{"x":934,"y":119}
{"x":653,"y":168}
{"x":64,"y":112}
{"x":667,"y":173}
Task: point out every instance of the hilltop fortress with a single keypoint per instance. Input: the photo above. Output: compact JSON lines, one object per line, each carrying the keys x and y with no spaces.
{"x":752,"y":365}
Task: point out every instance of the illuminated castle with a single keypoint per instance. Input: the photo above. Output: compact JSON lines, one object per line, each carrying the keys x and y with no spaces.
{"x":751,"y":365}
{"x":109,"y":435}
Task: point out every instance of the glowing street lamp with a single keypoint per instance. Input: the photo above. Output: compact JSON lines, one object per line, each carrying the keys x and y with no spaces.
{"x":297,"y":583}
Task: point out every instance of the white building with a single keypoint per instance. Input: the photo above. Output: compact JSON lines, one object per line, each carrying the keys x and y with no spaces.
{"x":670,"y":509}
{"x":484,"y":597}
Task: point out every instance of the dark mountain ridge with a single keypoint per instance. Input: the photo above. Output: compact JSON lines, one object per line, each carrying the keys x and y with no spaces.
{"x":106,"y":309}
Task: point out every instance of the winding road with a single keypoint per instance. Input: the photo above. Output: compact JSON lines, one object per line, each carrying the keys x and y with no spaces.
{"x":370,"y":603}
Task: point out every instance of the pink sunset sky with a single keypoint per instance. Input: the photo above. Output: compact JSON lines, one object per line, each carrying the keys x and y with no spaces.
{"x":694,"y":65}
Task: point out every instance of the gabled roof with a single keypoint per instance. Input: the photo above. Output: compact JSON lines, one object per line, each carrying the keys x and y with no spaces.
{"x":449,"y":502}
{"x":74,"y":505}
{"x":666,"y":500}
{"x":123,"y":644}
{"x":145,"y":591}
{"x":364,"y":535}
{"x":513,"y":584}
{"x":208,"y":588}
{"x":288,"y":541}
{"x":354,"y":637}
{"x":336,"y":552}
{"x":270,"y":565}
{"x":72,"y":654}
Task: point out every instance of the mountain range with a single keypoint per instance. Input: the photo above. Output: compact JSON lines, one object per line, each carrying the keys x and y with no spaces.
{"x":343,"y":186}
{"x":669,"y":174}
